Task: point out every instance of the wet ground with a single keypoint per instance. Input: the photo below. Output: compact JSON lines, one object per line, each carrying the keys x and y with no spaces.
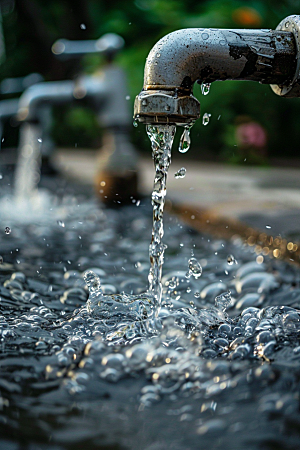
{"x":202,"y":374}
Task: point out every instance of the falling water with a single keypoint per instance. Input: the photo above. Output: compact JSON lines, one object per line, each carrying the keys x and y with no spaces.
{"x":161,"y":137}
{"x":185,"y":140}
{"x":205,"y":88}
{"x":28,"y":165}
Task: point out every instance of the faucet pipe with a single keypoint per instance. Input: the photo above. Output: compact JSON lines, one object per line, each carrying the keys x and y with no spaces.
{"x":19,"y":84}
{"x":109,"y":44}
{"x":106,"y":93}
{"x":183,"y":57}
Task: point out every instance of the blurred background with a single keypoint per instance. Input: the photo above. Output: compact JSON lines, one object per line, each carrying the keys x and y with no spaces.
{"x":248,"y":123}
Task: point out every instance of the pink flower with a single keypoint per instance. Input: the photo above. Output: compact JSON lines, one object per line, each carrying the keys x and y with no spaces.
{"x":251,"y":134}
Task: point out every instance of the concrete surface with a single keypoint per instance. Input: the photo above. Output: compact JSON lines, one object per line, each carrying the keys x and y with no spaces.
{"x":263,"y":197}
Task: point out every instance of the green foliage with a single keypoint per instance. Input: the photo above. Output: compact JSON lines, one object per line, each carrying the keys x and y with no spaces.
{"x":31,"y":27}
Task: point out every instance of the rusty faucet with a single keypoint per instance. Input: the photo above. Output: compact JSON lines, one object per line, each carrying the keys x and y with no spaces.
{"x":202,"y":55}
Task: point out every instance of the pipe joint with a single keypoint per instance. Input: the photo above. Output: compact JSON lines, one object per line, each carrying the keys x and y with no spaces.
{"x":155,"y":106}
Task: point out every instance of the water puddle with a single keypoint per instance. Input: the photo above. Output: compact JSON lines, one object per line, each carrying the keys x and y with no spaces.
{"x":206,"y":354}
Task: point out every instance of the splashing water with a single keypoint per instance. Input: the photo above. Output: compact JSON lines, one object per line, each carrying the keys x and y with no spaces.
{"x":195,"y":361}
{"x":223,"y":301}
{"x":180,"y":173}
{"x":195,"y":268}
{"x":203,"y":349}
{"x":205,"y":119}
{"x":231,"y":260}
{"x":205,"y":88}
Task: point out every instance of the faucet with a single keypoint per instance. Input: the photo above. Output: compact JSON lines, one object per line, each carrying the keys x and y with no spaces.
{"x":202,"y":55}
{"x":106,"y":93}
{"x":10,"y":86}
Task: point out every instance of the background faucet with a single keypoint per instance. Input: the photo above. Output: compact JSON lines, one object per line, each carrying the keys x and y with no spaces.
{"x":105,"y":91}
{"x":183,"y":57}
{"x":11,"y":86}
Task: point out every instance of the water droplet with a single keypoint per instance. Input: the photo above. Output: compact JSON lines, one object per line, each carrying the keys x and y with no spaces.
{"x":61,"y":223}
{"x":268,"y":226}
{"x":222,"y":301}
{"x":205,"y":36}
{"x":185,"y":140}
{"x":127,"y":97}
{"x":205,"y":88}
{"x":83,"y":26}
{"x":40,"y":140}
{"x":7,"y":230}
{"x":287,"y":24}
{"x":205,"y":119}
{"x":94,"y":286}
{"x":195,"y":268}
{"x":197,"y":294}
{"x":231,"y":260}
{"x":180,"y":173}
{"x":135,"y":123}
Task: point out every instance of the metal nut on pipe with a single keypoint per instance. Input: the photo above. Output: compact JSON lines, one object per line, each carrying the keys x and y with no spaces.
{"x":158,"y":107}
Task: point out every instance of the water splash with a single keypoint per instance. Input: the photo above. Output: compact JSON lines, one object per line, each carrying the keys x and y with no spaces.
{"x":205,"y":88}
{"x":195,"y":268}
{"x":180,"y":173}
{"x":231,"y":260}
{"x":223,"y":301}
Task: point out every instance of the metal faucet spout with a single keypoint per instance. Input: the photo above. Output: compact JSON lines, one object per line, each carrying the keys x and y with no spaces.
{"x":183,"y":57}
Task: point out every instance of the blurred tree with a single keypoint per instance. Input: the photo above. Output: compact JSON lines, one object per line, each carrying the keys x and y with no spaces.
{"x":31,"y":26}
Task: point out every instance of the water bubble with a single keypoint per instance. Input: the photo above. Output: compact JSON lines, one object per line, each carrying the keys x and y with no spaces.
{"x":222,"y":301}
{"x":205,"y":36}
{"x":205,"y":88}
{"x":231,"y":260}
{"x":61,"y":223}
{"x":205,"y":119}
{"x":180,"y":173}
{"x":185,"y":140}
{"x":135,"y":123}
{"x":83,"y":26}
{"x":40,"y":140}
{"x":7,"y":230}
{"x":1,"y":176}
{"x":195,"y":268}
{"x":127,"y":97}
